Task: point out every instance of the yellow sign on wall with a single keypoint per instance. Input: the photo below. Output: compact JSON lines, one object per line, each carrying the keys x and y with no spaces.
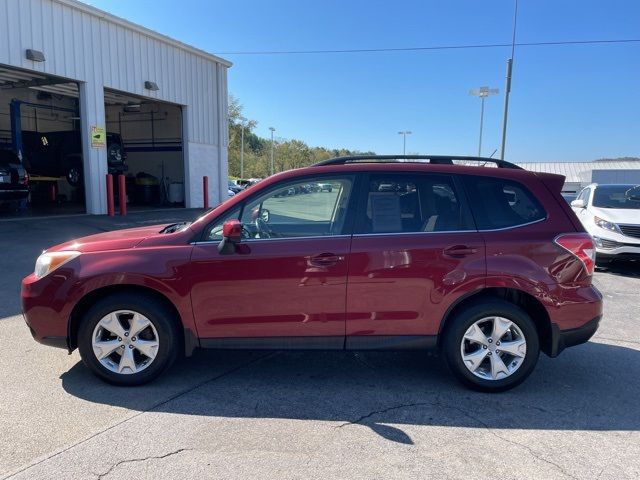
{"x":98,"y":137}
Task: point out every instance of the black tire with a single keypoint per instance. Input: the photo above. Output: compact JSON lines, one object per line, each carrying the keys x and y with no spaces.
{"x":74,"y":176}
{"x":455,"y":331}
{"x":156,"y":312}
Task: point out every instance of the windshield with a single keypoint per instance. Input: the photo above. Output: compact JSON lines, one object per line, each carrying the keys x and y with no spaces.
{"x":617,"y":196}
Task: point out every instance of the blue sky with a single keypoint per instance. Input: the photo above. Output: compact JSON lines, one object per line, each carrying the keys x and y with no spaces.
{"x":572,"y":103}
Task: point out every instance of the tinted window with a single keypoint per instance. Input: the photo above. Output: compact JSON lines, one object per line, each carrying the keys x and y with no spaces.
{"x":499,"y":203}
{"x":617,"y":196}
{"x":406,"y":203}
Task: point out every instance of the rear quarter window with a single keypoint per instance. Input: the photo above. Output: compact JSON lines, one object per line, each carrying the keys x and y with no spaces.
{"x":500,"y":203}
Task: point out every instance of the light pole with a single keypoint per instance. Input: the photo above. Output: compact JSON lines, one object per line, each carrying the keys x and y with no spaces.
{"x":272,"y":130}
{"x":507,"y":82}
{"x":482,"y":92}
{"x":243,"y":124}
{"x":404,"y":134}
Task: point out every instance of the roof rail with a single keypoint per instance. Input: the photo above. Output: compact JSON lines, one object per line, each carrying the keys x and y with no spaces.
{"x":433,"y":159}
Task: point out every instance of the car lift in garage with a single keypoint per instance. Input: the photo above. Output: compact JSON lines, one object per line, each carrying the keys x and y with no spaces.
{"x":50,"y":184}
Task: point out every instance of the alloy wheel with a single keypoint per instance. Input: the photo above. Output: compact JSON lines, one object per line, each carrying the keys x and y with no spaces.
{"x":493,"y":348}
{"x":125,"y":342}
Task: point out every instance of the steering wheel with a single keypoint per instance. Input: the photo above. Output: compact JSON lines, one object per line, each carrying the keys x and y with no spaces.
{"x":263,"y":228}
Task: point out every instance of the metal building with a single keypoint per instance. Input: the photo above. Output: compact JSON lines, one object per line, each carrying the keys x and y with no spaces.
{"x":580,"y":174}
{"x":67,"y":54}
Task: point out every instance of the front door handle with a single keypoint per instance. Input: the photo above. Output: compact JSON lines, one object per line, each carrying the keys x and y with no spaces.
{"x":325,"y":259}
{"x":459,"y":251}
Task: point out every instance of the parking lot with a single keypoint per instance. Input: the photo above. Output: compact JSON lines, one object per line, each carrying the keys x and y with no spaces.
{"x":311,"y":415}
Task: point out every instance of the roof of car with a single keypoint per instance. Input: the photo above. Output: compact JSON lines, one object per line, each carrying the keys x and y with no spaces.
{"x":430,"y":159}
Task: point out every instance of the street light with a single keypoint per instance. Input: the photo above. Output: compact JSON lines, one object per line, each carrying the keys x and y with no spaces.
{"x":507,"y":81}
{"x":482,"y":92}
{"x":272,"y":130}
{"x":243,"y":124}
{"x":404,"y":140}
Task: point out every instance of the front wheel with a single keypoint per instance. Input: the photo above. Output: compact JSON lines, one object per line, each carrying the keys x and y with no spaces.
{"x":492,"y":346}
{"x":128,"y":339}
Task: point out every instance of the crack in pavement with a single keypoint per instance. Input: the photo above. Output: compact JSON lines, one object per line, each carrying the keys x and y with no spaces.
{"x":135,"y":460}
{"x":378,"y":412}
{"x":532,"y":452}
{"x":438,"y":403}
{"x":150,"y":409}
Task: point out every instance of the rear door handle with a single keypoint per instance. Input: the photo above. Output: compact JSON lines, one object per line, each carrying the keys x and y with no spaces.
{"x":325,"y":259}
{"x":459,"y":251}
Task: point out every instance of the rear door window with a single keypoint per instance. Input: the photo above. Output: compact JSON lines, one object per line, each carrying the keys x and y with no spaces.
{"x":499,"y":203}
{"x":411,"y":203}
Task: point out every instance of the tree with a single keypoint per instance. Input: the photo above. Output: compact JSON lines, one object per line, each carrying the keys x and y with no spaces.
{"x":288,"y":154}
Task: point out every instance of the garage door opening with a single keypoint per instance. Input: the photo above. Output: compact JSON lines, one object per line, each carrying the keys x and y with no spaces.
{"x":40,"y":145}
{"x":148,"y":134}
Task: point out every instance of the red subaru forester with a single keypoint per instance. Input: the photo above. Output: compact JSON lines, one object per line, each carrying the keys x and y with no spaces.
{"x":487,"y":265}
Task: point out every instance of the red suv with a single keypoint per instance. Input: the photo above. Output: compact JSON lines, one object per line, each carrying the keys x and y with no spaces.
{"x":488,"y":265}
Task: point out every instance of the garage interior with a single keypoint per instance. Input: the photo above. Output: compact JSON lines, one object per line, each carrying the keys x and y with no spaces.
{"x":40,"y":121}
{"x":151,"y":132}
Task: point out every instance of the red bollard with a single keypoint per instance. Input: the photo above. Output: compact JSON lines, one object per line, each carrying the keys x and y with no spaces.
{"x":205,"y":191}
{"x":122,"y":192}
{"x":110,"y":204}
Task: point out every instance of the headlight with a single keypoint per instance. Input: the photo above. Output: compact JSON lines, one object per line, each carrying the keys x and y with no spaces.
{"x":612,"y":227}
{"x":48,"y":262}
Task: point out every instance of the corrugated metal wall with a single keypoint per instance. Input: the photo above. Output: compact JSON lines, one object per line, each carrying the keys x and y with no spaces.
{"x":85,"y":47}
{"x":84,"y":44}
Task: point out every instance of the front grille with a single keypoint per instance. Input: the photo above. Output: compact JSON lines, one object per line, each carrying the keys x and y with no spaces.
{"x":630,"y":230}
{"x":609,"y":244}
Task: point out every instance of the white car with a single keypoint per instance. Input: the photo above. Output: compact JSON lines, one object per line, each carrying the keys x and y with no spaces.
{"x":611,"y":214}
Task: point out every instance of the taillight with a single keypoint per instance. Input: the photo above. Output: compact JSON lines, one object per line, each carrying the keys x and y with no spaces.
{"x":581,"y":246}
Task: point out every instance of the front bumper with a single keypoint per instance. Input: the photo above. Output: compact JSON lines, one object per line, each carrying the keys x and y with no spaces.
{"x":46,"y":308}
{"x":618,"y":248}
{"x":561,"y":339}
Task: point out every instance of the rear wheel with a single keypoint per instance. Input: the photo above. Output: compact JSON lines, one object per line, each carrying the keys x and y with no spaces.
{"x":492,"y":346}
{"x":128,"y":339}
{"x":74,"y":176}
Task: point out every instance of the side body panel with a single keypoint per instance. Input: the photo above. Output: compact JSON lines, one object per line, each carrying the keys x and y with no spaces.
{"x":403,"y":284}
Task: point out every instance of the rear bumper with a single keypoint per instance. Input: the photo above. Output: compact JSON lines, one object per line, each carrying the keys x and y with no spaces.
{"x":561,"y":339}
{"x":13,"y":194}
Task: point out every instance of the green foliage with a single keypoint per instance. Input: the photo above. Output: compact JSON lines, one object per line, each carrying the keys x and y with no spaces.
{"x":288,"y":154}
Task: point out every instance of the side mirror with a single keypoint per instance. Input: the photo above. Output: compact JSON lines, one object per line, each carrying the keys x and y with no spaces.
{"x":231,"y":236}
{"x":578,"y":203}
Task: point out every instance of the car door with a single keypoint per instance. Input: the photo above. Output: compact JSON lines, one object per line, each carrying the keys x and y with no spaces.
{"x":414,"y":251}
{"x":286,"y":285}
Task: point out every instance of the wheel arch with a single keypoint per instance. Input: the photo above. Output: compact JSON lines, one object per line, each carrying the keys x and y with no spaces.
{"x":188,"y":340}
{"x":530,"y":304}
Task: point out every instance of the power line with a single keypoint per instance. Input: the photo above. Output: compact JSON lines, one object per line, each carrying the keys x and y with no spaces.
{"x":437,"y":47}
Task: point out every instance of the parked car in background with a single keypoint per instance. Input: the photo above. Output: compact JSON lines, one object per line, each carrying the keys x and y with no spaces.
{"x":611,"y":214}
{"x":234,"y":187}
{"x":14,"y":180}
{"x":487,"y":265}
{"x":59,"y":154}
{"x":569,"y":197}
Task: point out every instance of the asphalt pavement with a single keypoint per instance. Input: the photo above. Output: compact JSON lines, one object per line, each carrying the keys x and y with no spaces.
{"x":311,"y":415}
